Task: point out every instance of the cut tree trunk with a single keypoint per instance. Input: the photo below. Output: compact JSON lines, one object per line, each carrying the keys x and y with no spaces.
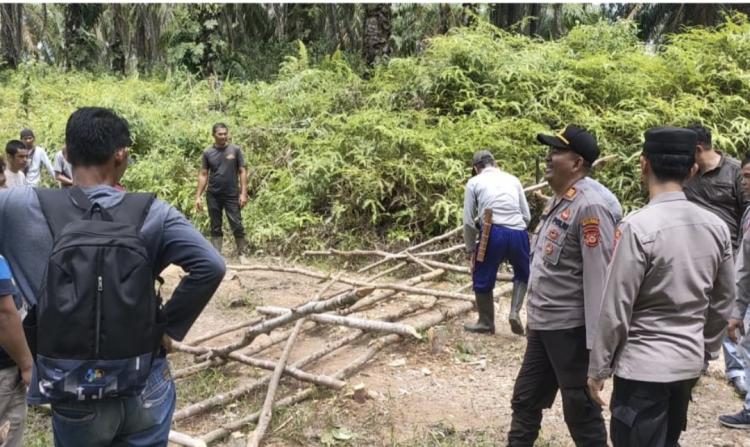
{"x":358,"y":283}
{"x":356,"y":323}
{"x":266,"y":411}
{"x":341,"y":300}
{"x":377,"y":32}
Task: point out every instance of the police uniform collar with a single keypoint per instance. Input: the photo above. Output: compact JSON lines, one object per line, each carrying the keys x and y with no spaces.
{"x":667,"y":197}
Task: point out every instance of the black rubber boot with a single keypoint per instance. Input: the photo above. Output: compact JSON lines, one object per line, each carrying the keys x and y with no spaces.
{"x":516,"y":303}
{"x":486,"y":308}
{"x":241,"y":246}
{"x":217,"y":242}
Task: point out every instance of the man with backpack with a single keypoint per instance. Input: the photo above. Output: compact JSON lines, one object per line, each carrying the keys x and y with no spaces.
{"x":88,"y":264}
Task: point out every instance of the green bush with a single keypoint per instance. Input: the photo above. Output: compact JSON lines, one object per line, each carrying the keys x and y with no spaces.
{"x":335,"y":159}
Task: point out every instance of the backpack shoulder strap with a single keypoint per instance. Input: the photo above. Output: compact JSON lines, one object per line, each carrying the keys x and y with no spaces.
{"x":133,"y":208}
{"x":58,"y":208}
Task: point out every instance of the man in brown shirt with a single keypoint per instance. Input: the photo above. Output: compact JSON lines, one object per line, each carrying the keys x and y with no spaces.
{"x":717,"y":187}
{"x":571,"y":248}
{"x":665,"y":302}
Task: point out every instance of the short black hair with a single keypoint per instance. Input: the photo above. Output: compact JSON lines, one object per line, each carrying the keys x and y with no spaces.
{"x":218,"y":126}
{"x":746,"y":160}
{"x":703,"y":132}
{"x":670,"y":167}
{"x":12,"y":147}
{"x":94,"y":134}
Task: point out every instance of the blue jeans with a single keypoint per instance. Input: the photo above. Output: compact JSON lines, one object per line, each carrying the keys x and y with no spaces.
{"x":735,"y":355}
{"x":138,"y":421}
{"x":503,"y":244}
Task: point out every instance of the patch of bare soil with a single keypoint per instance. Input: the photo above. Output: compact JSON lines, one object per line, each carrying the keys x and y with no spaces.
{"x":458,"y":394}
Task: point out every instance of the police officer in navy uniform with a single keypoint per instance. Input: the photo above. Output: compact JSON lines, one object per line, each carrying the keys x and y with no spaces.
{"x":570,"y":250}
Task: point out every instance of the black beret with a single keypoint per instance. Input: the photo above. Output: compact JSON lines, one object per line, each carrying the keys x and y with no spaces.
{"x":573,"y":138}
{"x":670,"y":140}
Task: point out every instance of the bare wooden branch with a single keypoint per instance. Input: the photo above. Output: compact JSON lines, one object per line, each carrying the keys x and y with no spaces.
{"x":359,"y":283}
{"x":387,"y":272}
{"x":227,"y":429}
{"x":419,"y":262}
{"x":357,"y":323}
{"x":463,"y":269}
{"x":413,"y":248}
{"x":444,"y":251}
{"x":224,"y":398}
{"x":381,"y":253}
{"x":186,"y":440}
{"x":340,"y":300}
{"x":198,"y":367}
{"x":342,"y":374}
{"x":382,"y":295}
{"x":318,"y":379}
{"x":224,"y":330}
{"x":266,"y":410}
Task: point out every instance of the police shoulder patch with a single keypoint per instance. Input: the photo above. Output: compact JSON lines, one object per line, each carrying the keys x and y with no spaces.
{"x":591,"y":234}
{"x":618,"y":235}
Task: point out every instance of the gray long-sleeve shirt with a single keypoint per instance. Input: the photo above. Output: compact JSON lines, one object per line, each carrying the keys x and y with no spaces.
{"x":571,"y":248}
{"x":669,"y":291}
{"x":503,"y":194}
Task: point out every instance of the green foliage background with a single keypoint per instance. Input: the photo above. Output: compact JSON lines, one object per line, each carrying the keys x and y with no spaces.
{"x":337,"y":159}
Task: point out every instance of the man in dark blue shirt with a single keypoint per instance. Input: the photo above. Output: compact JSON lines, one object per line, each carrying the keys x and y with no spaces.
{"x":98,"y":141}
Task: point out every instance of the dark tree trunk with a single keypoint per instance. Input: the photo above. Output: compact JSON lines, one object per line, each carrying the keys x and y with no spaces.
{"x":535,"y":11}
{"x":444,"y":23}
{"x":208,"y":17}
{"x":469,"y":12}
{"x":505,"y":15}
{"x":119,"y":40}
{"x":146,"y":35}
{"x":557,"y":23}
{"x":11,"y":30}
{"x":377,"y":32}
{"x":79,"y":18}
{"x":280,"y":13}
{"x":333,"y":23}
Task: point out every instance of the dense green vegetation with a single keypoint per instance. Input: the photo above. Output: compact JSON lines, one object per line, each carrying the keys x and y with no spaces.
{"x":335,"y":158}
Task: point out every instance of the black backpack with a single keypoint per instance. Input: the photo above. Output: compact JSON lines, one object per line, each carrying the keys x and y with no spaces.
{"x":97,"y":324}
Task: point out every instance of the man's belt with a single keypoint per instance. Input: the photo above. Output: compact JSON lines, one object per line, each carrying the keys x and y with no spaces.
{"x":486,"y":229}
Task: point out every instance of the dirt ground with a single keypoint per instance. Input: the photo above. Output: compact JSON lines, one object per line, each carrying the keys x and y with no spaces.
{"x":457,"y":396}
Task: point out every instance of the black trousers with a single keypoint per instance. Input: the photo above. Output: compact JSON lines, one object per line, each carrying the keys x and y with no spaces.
{"x":555,"y":360}
{"x":230,"y":203}
{"x":649,"y":414}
